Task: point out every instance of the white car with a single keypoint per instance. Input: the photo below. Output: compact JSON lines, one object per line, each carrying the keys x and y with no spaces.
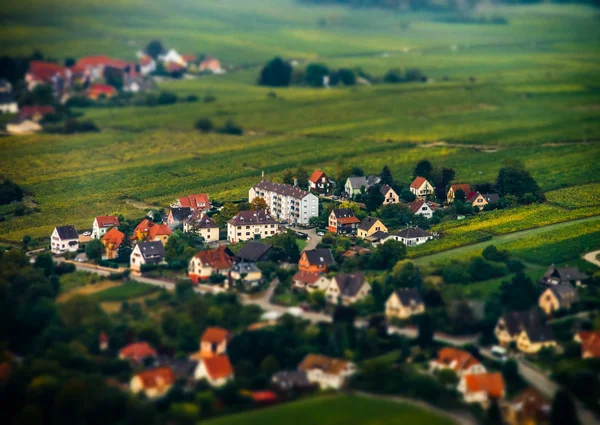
{"x":320,"y":233}
{"x":87,"y":233}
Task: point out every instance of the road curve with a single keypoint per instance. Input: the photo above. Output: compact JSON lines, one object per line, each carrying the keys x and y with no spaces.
{"x":592,"y":258}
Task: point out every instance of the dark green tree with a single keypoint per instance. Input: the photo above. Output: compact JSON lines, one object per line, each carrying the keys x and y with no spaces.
{"x":423,"y":169}
{"x":386,"y":176}
{"x":154,"y":49}
{"x":45,"y":263}
{"x":426,"y":331}
{"x":94,"y":250}
{"x":315,"y":72}
{"x":519,"y":294}
{"x":515,"y":180}
{"x":374,"y":198}
{"x":563,"y":410}
{"x":276,"y":73}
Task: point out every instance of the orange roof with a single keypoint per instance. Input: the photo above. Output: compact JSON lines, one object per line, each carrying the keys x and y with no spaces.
{"x":418,"y":182}
{"x":44,"y":71}
{"x":189,"y":58}
{"x":144,"y":226}
{"x":328,"y":365}
{"x":114,"y":236}
{"x":159,"y":230}
{"x":195,"y":201}
{"x":137,"y":350}
{"x":102,"y":89}
{"x":210,"y":63}
{"x":159,"y":377}
{"x":107,"y":221}
{"x":218,"y":367}
{"x":590,"y":343}
{"x":215,"y":335}
{"x":462,"y":359}
{"x":31,"y":111}
{"x":466,"y":188}
{"x":146,"y":60}
{"x":215,"y":258}
{"x":306,"y":277}
{"x":348,"y":220}
{"x":263,"y":396}
{"x":491,"y":383}
{"x":316,"y":176}
{"x":93,"y":61}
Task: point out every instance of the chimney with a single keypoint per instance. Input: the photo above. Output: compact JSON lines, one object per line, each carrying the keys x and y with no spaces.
{"x":295,"y":182}
{"x":263,"y":174}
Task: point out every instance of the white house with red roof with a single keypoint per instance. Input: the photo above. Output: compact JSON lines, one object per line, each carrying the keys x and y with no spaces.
{"x":137,"y":352}
{"x":194,"y":202}
{"x":460,"y":361}
{"x":213,"y":362}
{"x":421,"y":187}
{"x":319,"y":182}
{"x":206,"y":263}
{"x":482,"y":387}
{"x":310,"y":281}
{"x":154,"y":383}
{"x":211,"y":64}
{"x":102,"y":224}
{"x":53,"y":74}
{"x":422,"y":207}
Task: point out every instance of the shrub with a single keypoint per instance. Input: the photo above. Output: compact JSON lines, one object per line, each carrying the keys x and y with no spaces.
{"x":480,"y":269}
{"x":393,"y":76}
{"x":204,"y":125}
{"x":492,"y":253}
{"x":10,"y":192}
{"x":343,"y":75}
{"x":455,"y":273}
{"x":191,"y":98}
{"x":231,"y":128}
{"x":515,"y":266}
{"x":315,"y":72}
{"x":167,"y":98}
{"x":414,"y":74}
{"x":276,"y":73}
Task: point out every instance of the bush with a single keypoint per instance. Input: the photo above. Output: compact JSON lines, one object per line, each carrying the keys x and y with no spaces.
{"x":393,"y":76}
{"x":110,"y":264}
{"x":231,"y":128}
{"x":515,"y":266}
{"x":455,"y":273}
{"x":492,"y":253}
{"x":167,"y":98}
{"x":204,"y":125}
{"x":480,"y":269}
{"x":72,"y":126}
{"x":343,"y":75}
{"x":315,"y":72}
{"x":191,"y":98}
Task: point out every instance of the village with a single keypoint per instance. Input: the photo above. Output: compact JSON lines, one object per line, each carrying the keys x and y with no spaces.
{"x":308,"y":244}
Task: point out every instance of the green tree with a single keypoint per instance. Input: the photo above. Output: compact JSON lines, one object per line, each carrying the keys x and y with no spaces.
{"x":315,"y":72}
{"x":387,"y":254}
{"x":515,"y":180}
{"x":374,"y":198}
{"x":386,"y":176}
{"x":205,"y":125}
{"x":317,"y":299}
{"x":563,"y":410}
{"x":519,"y":294}
{"x":276,"y":73}
{"x":426,"y":331}
{"x":45,"y":263}
{"x":343,"y":75}
{"x":460,"y":196}
{"x":225,"y":214}
{"x":423,"y":169}
{"x":269,"y":365}
{"x":448,"y":378}
{"x":393,"y":76}
{"x":288,"y":176}
{"x":154,"y":49}
{"x":302,"y":177}
{"x":94,"y":250}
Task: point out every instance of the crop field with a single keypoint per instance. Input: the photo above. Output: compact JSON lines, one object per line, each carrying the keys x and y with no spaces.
{"x":533,"y":97}
{"x":336,"y":410}
{"x":576,"y":197}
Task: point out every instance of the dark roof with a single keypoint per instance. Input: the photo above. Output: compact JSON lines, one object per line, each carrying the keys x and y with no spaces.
{"x":67,"y":232}
{"x":6,"y":98}
{"x":153,"y":252}
{"x":491,"y":198}
{"x":343,"y":212}
{"x":384,"y":189}
{"x":183,"y":368}
{"x":367,"y":182}
{"x":180,"y":214}
{"x":409,"y":296}
{"x":319,"y":256}
{"x":565,"y":293}
{"x":252,"y":217}
{"x":200,"y":220}
{"x":540,"y":333}
{"x":378,"y":235}
{"x":350,"y":283}
{"x":516,"y":321}
{"x":253,"y":251}
{"x":565,"y":274}
{"x":245,"y":268}
{"x":282,"y":189}
{"x":413,"y":232}
{"x":290,"y":379}
{"x":367,"y":223}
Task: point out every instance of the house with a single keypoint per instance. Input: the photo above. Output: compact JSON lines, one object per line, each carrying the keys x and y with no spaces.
{"x":101,"y":91}
{"x":36,"y":113}
{"x":347,"y":287}
{"x":412,"y":236}
{"x":404,"y":303}
{"x":253,"y":252}
{"x":64,"y":239}
{"x":146,"y":253}
{"x":389,"y":195}
{"x":137,"y":352}
{"x":202,"y":225}
{"x":50,"y":73}
{"x":214,"y":342}
{"x":559,"y":275}
{"x":509,"y":325}
{"x":294,"y":381}
{"x":316,"y":260}
{"x":481,"y":200}
{"x":529,"y":407}
{"x":319,"y":182}
{"x":112,"y":240}
{"x":8,"y":105}
{"x":159,"y":233}
{"x":248,"y":273}
{"x":482,"y":388}
{"x":369,"y":226}
{"x":343,"y":221}
{"x":253,"y":224}
{"x":135,"y":84}
{"x":102,"y":224}
{"x":154,"y":383}
{"x":286,"y":202}
{"x":534,"y":338}
{"x":327,"y":372}
{"x":97,"y":67}
{"x":558,"y":297}
{"x":310,"y":282}
{"x":217,"y":370}
{"x":421,"y":187}
{"x":172,"y":57}
{"x":211,"y":64}
{"x":355,"y":250}
{"x":355,"y":184}
{"x":466,"y":188}
{"x":460,"y":361}
{"x":141,"y":230}
{"x":422,"y":207}
{"x":182,"y":368}
{"x":378,"y":238}
{"x":195,"y":202}
{"x":177,"y":215}
{"x":590,"y":344}
{"x":206,"y":263}
{"x":147,"y":65}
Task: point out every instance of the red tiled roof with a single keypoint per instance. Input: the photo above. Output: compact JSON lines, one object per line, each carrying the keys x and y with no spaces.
{"x":471,"y":195}
{"x":107,"y":221}
{"x":195,"y":201}
{"x":175,"y":67}
{"x":463,"y":359}
{"x":146,"y":60}
{"x":102,"y":89}
{"x":215,"y":258}
{"x":418,"y":182}
{"x":31,"y":111}
{"x":210,"y":63}
{"x":466,"y":188}
{"x":144,"y":226}
{"x":263,"y":396}
{"x":189,"y":58}
{"x":316,"y":176}
{"x":159,"y":377}
{"x":114,"y":236}
{"x":215,"y":335}
{"x":96,"y":61}
{"x":491,"y":383}
{"x":44,"y":71}
{"x":137,"y":350}
{"x":416,"y":205}
{"x":159,"y":230}
{"x":306,"y":277}
{"x":348,"y":220}
{"x":218,"y":367}
{"x":590,"y":343}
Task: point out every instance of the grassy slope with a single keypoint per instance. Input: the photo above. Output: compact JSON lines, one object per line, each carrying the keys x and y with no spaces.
{"x":535,"y":86}
{"x":335,"y":410}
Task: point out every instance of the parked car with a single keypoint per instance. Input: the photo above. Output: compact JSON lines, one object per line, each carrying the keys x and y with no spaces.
{"x":499,"y":353}
{"x":320,"y":234}
{"x":87,"y":233}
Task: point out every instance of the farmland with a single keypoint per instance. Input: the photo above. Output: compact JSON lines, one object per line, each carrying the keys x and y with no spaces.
{"x":336,"y":410}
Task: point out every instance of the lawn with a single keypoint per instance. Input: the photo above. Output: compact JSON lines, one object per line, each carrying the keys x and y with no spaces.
{"x":335,"y":410}
{"x":125,"y":291}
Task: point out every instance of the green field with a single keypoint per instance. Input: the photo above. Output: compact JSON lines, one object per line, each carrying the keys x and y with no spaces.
{"x":125,"y":291}
{"x":336,"y":410}
{"x":534,"y":98}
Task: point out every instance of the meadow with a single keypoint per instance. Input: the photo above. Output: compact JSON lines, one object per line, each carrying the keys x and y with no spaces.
{"x":340,"y":409}
{"x":125,"y":291}
{"x":526,"y":91}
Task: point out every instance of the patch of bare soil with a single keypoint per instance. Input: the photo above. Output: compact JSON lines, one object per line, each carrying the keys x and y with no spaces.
{"x":87,"y":290}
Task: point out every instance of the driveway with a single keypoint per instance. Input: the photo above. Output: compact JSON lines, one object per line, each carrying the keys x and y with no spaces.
{"x":313,"y":238}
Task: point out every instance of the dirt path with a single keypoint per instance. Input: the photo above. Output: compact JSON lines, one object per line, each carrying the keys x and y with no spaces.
{"x":141,"y":205}
{"x":592,"y":257}
{"x":87,"y":290}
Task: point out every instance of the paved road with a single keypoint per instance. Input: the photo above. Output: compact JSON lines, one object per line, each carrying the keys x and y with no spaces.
{"x":591,"y":257}
{"x":313,"y":238}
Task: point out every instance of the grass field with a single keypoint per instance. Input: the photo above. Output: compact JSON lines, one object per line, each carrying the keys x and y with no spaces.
{"x":125,"y":291}
{"x":336,"y":410}
{"x":535,"y":98}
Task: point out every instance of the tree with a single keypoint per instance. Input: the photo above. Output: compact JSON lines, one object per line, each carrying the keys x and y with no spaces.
{"x":259,"y":203}
{"x":374,"y":198}
{"x":94,"y":250}
{"x":460,"y":196}
{"x":10,"y":192}
{"x":519,"y":294}
{"x":269,"y":365}
{"x":231,"y":128}
{"x":45,"y":263}
{"x":288,"y":176}
{"x":493,"y":414}
{"x":395,"y":215}
{"x":317,"y":299}
{"x":423,"y":169}
{"x":343,"y":75}
{"x":393,"y":76}
{"x":414,"y":74}
{"x":387,"y":254}
{"x":154,"y":49}
{"x":492,"y":253}
{"x":124,"y":251}
{"x":167,"y":98}
{"x":276,"y":73}
{"x":386,"y":176}
{"x":406,"y":275}
{"x":515,"y":180}
{"x":225,"y":214}
{"x":205,"y":125}
{"x":448,"y":378}
{"x":425,"y":335}
{"x":315,"y":73}
{"x":563,"y":410}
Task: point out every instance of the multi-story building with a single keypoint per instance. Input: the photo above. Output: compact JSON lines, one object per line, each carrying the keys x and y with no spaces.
{"x":286,"y":202}
{"x":247,"y":225}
